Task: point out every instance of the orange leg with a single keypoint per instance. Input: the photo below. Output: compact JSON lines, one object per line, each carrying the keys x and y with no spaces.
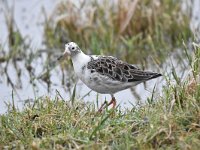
{"x":113,"y":101}
{"x":104,"y":105}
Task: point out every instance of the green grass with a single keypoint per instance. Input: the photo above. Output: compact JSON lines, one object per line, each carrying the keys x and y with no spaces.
{"x":113,"y":29}
{"x":169,"y":122}
{"x":145,"y":36}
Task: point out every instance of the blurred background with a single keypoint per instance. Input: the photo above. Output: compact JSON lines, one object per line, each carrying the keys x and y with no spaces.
{"x":152,"y":34}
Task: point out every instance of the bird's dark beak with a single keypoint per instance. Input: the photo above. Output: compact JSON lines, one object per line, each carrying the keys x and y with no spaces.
{"x":62,"y":56}
{"x":65,"y":54}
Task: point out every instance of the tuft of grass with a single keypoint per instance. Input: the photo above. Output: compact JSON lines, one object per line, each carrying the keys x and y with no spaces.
{"x":139,"y":32}
{"x":130,"y":30}
{"x":170,"y":122}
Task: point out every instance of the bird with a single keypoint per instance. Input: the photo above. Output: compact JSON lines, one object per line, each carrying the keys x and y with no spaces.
{"x":105,"y":74}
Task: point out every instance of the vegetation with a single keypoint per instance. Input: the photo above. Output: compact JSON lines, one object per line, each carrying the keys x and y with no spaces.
{"x":169,"y":122}
{"x":136,"y":32}
{"x":130,"y":30}
{"x":139,"y":32}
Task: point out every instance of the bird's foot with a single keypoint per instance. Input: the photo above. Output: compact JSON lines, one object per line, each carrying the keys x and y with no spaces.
{"x":113,"y":101}
{"x":102,"y":106}
{"x":105,"y":104}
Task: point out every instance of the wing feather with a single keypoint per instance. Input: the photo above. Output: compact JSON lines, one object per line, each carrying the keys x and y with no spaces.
{"x":119,"y":70}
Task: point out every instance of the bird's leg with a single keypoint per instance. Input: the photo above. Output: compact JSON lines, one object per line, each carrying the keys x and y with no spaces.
{"x":113,"y":101}
{"x":102,"y":106}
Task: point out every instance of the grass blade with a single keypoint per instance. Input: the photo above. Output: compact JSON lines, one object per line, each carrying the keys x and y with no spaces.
{"x":100,"y":124}
{"x":73,"y":95}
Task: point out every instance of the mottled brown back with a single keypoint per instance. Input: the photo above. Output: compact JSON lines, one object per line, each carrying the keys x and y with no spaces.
{"x":119,"y":70}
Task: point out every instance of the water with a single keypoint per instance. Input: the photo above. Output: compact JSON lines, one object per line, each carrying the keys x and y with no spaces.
{"x":29,"y":18}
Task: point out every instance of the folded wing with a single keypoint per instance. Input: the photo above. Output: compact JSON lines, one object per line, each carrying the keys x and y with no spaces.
{"x":119,"y":70}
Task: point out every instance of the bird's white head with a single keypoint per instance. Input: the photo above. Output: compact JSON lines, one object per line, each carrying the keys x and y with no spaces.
{"x":71,"y":49}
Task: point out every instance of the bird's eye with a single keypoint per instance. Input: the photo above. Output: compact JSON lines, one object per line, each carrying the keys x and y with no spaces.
{"x":73,"y":48}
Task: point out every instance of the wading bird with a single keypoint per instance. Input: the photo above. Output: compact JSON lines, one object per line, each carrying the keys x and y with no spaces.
{"x":105,"y":74}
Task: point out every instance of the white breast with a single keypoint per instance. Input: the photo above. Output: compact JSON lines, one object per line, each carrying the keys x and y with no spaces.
{"x":79,"y":61}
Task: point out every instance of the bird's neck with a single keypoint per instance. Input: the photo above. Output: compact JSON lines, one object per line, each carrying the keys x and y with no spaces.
{"x":79,"y":60}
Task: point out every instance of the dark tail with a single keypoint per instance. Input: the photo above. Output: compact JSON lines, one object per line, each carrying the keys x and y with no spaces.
{"x":155,"y":75}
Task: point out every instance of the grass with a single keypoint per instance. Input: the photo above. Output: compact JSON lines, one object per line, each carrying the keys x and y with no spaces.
{"x":144,"y":33}
{"x":157,"y":28}
{"x":171,"y":121}
{"x":129,"y":30}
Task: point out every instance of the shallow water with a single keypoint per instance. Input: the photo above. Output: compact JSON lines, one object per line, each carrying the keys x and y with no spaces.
{"x":29,"y":19}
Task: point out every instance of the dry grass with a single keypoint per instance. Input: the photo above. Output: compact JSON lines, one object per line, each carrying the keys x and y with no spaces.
{"x":170,"y":122}
{"x":139,"y":32}
{"x":148,"y":27}
{"x":128,"y":29}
